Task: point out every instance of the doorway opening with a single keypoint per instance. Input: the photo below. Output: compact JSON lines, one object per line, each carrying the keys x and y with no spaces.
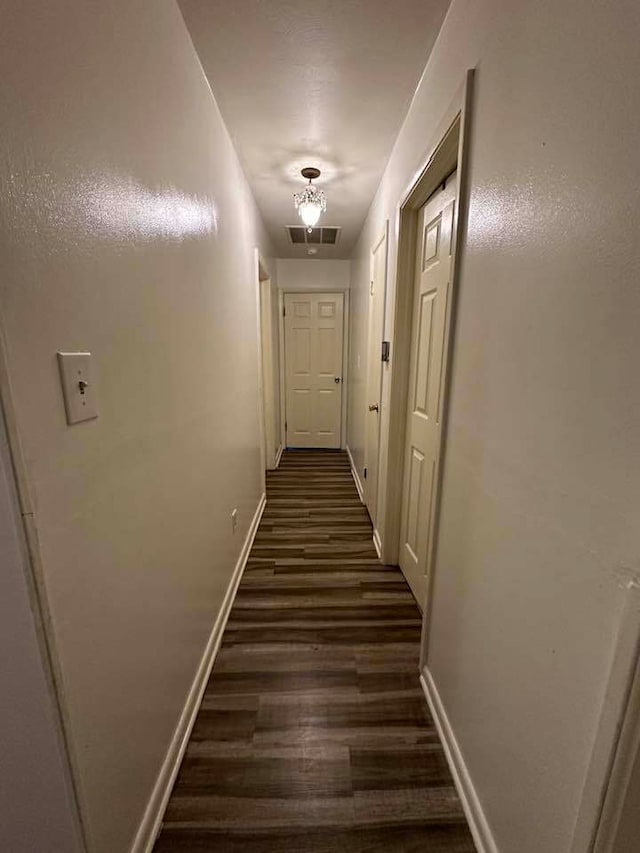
{"x":430,"y":224}
{"x":268,"y":373}
{"x":377,"y":298}
{"x":430,"y":334}
{"x":313,"y":361}
{"x":608,"y":818}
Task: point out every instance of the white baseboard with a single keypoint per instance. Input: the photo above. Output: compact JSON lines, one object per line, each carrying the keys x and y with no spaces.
{"x":154,"y":812}
{"x":279,"y":453}
{"x":356,"y":478}
{"x":478,"y":823}
{"x":377,"y":543}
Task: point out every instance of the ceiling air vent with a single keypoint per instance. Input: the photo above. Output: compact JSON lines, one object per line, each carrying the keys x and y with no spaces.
{"x":328,"y":235}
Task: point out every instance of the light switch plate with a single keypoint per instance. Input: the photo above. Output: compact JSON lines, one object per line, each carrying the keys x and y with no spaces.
{"x":78,"y":386}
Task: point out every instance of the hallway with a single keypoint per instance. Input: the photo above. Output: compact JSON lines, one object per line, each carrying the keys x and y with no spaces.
{"x":314,"y":733}
{"x":407,"y":233}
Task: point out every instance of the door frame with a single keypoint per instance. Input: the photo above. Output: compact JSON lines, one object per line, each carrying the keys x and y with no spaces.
{"x":268,"y":392}
{"x":282,"y":291}
{"x":261,"y":276}
{"x":21,"y":501}
{"x":383,"y":237}
{"x":617,"y":735}
{"x":448,"y":151}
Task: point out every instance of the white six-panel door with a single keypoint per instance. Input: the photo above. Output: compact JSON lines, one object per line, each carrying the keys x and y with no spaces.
{"x":424,"y":415}
{"x":313,"y":338}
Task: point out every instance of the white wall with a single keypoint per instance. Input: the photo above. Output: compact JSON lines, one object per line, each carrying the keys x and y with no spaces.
{"x":128,"y":230}
{"x":541,"y":479}
{"x":295,"y":274}
{"x":35,"y":792}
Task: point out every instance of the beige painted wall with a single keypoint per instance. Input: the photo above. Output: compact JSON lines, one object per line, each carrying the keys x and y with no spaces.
{"x":295,"y":274}
{"x":541,"y":479}
{"x":128,"y":230}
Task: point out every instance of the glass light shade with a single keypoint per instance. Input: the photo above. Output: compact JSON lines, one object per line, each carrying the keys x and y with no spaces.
{"x":310,"y":213}
{"x":310,"y":203}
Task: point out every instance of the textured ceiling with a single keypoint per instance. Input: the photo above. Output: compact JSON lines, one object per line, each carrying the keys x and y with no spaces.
{"x":324,"y":84}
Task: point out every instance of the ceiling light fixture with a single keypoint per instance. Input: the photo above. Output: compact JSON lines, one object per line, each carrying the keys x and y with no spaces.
{"x":311,"y":201}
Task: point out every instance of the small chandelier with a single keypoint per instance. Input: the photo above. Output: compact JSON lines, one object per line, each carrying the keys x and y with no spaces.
{"x":311,"y":201}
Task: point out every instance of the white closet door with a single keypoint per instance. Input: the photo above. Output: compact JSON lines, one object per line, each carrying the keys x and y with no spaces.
{"x":424,"y":416}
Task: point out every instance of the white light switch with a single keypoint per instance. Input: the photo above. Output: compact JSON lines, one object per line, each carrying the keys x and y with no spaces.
{"x":77,"y":386}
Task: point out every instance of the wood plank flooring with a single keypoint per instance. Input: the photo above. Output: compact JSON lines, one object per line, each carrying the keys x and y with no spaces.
{"x":314,"y":735}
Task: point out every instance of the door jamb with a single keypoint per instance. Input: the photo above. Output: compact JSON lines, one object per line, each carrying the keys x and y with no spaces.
{"x":283,"y":371}
{"x":268,"y":387}
{"x":24,"y":508}
{"x":617,"y":736}
{"x":450,"y":150}
{"x":261,"y":275}
{"x":345,"y":357}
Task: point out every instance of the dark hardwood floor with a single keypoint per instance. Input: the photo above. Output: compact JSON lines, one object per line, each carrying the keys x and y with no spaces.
{"x":314,"y":735}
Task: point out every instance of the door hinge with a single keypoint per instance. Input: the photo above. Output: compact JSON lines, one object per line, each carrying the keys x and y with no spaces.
{"x":284,"y":310}
{"x":285,"y":426}
{"x":364,"y":472}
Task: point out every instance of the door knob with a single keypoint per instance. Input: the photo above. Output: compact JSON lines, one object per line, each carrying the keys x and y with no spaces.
{"x":374,"y":407}
{"x":337,"y":379}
